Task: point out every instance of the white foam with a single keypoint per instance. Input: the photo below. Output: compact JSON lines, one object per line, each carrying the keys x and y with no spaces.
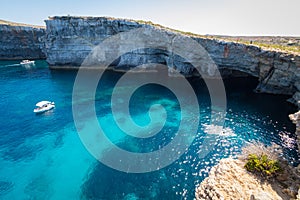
{"x":287,"y":141}
{"x":218,"y":130}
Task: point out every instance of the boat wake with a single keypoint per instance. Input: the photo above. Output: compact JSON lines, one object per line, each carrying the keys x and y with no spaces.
{"x":12,"y":65}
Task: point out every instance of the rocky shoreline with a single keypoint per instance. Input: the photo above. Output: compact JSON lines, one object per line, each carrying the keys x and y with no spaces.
{"x":229,"y":180}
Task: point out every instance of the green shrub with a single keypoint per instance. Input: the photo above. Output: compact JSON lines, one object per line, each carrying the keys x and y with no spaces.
{"x":262,"y":164}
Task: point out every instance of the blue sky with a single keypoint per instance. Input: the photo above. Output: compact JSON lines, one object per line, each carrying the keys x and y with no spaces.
{"x":225,"y":17}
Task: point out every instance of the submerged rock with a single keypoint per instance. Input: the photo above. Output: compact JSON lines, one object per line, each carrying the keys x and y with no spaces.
{"x":5,"y":187}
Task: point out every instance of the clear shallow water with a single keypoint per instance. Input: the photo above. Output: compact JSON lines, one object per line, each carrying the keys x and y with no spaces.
{"x":42,"y":157}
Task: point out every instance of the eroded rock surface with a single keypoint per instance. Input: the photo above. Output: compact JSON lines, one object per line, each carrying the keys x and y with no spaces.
{"x":69,"y":40}
{"x":230,"y":181}
{"x":21,"y":42}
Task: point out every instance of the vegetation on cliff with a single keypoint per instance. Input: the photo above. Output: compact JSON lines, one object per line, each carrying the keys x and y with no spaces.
{"x":283,"y":44}
{"x":230,"y":179}
{"x":268,"y":43}
{"x":262,"y":164}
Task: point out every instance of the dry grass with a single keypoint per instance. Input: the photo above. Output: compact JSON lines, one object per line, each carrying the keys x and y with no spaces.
{"x":3,"y":22}
{"x":295,"y":49}
{"x":292,"y":49}
{"x":275,"y":47}
{"x":266,"y":46}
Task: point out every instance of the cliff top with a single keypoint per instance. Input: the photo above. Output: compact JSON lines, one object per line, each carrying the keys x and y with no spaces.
{"x":142,"y":22}
{"x":4,"y":22}
{"x":283,"y":44}
{"x":276,"y":43}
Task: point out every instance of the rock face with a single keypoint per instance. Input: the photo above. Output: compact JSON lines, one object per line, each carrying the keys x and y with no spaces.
{"x":278,"y":73}
{"x":21,"y":42}
{"x":229,"y":180}
{"x":69,"y":40}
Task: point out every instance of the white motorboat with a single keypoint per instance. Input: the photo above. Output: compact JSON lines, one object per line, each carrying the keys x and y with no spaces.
{"x":44,"y":106}
{"x":27,"y":62}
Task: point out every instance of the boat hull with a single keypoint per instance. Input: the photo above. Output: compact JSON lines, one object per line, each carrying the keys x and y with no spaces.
{"x":42,"y":110}
{"x":27,"y":62}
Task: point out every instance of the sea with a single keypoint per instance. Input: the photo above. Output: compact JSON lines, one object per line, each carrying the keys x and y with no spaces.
{"x":43,"y":156}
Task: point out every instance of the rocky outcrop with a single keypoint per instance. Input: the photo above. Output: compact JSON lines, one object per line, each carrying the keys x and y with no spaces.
{"x":278,"y":72}
{"x":229,"y":180}
{"x":69,"y":40}
{"x":19,"y":41}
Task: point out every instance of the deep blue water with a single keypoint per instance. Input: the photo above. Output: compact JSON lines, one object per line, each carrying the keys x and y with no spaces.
{"x":42,"y":156}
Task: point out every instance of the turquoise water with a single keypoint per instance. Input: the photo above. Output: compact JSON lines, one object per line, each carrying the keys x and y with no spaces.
{"x":42,"y":157}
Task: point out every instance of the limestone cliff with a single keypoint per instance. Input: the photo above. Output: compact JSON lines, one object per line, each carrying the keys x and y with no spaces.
{"x":69,"y":40}
{"x":20,"y":41}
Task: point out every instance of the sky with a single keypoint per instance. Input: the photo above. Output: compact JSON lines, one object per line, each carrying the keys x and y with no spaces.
{"x":216,"y":17}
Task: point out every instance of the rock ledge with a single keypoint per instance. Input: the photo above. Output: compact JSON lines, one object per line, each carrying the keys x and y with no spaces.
{"x":230,"y":181}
